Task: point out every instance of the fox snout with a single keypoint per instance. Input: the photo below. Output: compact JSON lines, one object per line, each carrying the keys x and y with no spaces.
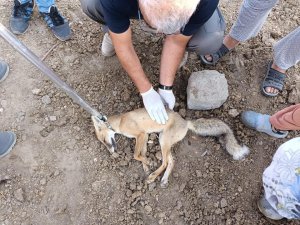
{"x":105,"y":135}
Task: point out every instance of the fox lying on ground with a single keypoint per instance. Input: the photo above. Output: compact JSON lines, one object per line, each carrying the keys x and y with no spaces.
{"x":137,"y":124}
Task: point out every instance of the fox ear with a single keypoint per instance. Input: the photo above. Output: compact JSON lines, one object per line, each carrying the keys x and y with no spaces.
{"x":98,"y":124}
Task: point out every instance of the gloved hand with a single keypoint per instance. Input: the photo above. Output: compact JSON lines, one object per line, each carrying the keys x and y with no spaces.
{"x":154,"y":106}
{"x":167,"y":97}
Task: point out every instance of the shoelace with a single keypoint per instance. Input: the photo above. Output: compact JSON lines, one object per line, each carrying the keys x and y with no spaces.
{"x":20,"y":9}
{"x":56,"y":18}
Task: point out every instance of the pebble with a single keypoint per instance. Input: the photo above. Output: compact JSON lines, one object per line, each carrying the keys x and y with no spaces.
{"x":52,"y":118}
{"x":240,"y":189}
{"x":19,"y":195}
{"x":158,"y":155}
{"x":43,"y":181}
{"x":223,"y":203}
{"x":56,"y":173}
{"x":36,"y":91}
{"x":3,"y":103}
{"x":151,"y":186}
{"x":148,"y":208}
{"x":182,"y":112}
{"x":233,"y":112}
{"x":46,"y":99}
{"x":130,"y":211}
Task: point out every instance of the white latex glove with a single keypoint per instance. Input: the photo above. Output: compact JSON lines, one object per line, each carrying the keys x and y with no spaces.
{"x":167,"y":97}
{"x":154,"y":106}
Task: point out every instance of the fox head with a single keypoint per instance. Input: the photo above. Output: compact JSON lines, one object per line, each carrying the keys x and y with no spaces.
{"x":105,"y":134}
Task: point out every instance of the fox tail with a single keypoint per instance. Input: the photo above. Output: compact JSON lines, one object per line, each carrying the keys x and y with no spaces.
{"x":217,"y":128}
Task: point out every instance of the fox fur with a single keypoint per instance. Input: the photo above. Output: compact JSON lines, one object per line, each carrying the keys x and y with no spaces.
{"x":137,"y":124}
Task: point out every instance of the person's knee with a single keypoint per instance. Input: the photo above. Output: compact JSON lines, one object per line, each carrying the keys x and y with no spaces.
{"x":210,"y":36}
{"x":259,"y":5}
{"x":93,"y":9}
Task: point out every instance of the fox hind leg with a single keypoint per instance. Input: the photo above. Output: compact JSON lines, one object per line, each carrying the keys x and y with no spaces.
{"x":165,"y":179}
{"x":140,"y":151}
{"x":165,"y":148}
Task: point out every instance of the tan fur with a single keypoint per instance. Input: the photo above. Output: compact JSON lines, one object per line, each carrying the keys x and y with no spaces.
{"x":137,"y":124}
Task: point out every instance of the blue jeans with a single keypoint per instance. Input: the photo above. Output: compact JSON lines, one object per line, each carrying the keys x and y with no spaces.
{"x":43,"y":5}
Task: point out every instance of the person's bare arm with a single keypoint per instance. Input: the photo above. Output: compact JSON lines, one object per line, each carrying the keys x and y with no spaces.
{"x":173,"y":51}
{"x":129,"y":59}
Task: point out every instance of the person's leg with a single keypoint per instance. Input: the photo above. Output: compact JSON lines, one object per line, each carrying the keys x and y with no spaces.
{"x":44,"y":5}
{"x":287,"y":119}
{"x":4,"y":69}
{"x":55,"y":21}
{"x":210,"y":36}
{"x":261,"y":123}
{"x":7,"y":141}
{"x":251,"y":17}
{"x":21,"y":14}
{"x":94,"y":10}
{"x":286,"y":55}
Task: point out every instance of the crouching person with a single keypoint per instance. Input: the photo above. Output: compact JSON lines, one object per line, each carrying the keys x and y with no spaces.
{"x":192,"y":25}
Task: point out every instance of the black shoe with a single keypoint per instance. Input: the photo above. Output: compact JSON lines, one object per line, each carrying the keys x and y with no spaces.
{"x":21,"y":14}
{"x":58,"y":24}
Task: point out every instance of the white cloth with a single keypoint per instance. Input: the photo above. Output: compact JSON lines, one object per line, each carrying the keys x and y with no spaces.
{"x":281,"y":180}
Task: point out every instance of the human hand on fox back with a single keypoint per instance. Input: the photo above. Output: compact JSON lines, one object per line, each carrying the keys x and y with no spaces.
{"x":154,"y":106}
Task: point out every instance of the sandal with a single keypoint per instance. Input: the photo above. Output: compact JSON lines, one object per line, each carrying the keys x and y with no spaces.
{"x":274,"y":79}
{"x":223,"y":50}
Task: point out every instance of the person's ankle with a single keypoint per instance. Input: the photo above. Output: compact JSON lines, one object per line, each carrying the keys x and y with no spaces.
{"x":275,"y":67}
{"x":275,"y":130}
{"x":230,"y":42}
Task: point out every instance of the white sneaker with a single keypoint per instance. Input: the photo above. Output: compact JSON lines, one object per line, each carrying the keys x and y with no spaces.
{"x":107,"y":48}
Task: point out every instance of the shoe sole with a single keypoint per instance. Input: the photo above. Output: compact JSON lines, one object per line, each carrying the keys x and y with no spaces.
{"x":11,"y":147}
{"x":261,"y":209}
{"x":62,"y":39}
{"x":5,"y":75}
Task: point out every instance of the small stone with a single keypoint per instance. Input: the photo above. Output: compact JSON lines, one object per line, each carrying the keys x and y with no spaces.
{"x":52,"y":118}
{"x":198,"y":173}
{"x":132,"y":186}
{"x":36,"y":91}
{"x":233,"y":112}
{"x":148,"y":208}
{"x":123,"y":163}
{"x":130,"y":211}
{"x":43,"y":181}
{"x":136,"y":194}
{"x":115,"y":155}
{"x":46,"y":99}
{"x":158,"y":155}
{"x":240,"y":189}
{"x":223,"y":203}
{"x":19,"y":195}
{"x":3,"y":103}
{"x":182,"y":112}
{"x":56,"y":173}
{"x":96,"y":185}
{"x":151,"y":186}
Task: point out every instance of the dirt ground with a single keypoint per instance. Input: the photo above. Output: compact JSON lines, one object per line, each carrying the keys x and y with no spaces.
{"x":58,"y":173}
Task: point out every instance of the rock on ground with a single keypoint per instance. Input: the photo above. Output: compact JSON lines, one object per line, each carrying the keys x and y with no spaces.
{"x":207,"y":89}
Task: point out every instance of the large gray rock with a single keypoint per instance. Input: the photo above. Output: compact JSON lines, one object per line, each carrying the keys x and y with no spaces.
{"x":207,"y":89}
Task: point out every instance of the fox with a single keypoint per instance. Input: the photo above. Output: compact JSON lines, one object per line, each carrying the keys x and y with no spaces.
{"x":138,"y":124}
